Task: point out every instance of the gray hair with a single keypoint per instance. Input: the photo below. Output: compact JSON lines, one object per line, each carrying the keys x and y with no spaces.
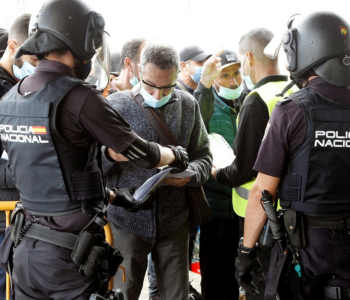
{"x":255,"y":42}
{"x":131,"y":49}
{"x":162,"y":56}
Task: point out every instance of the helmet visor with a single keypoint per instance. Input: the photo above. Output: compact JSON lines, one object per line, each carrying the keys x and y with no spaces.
{"x":100,"y":65}
{"x":272,"y":48}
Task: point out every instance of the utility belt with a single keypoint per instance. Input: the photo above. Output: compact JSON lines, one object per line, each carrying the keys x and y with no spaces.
{"x":286,"y":273}
{"x":288,"y":229}
{"x":295,"y":225}
{"x":334,"y":292}
{"x":90,"y":252}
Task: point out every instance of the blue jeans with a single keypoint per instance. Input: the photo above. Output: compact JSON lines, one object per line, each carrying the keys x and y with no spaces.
{"x":2,"y":276}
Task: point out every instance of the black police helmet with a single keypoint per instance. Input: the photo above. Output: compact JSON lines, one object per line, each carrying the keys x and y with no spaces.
{"x":319,"y":41}
{"x":68,"y":23}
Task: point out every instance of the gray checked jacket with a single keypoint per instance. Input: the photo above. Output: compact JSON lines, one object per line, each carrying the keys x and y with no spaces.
{"x":182,"y":115}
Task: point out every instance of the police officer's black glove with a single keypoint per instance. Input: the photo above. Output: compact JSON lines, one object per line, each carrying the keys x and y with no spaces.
{"x":181,"y":159}
{"x":124,"y":198}
{"x":90,"y":208}
{"x":246,"y":264}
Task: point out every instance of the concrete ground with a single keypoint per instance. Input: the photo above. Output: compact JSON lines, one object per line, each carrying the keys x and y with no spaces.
{"x":196,"y":280}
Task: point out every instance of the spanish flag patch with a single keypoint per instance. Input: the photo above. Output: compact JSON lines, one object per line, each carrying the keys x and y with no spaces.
{"x":39,"y":129}
{"x":343,"y":30}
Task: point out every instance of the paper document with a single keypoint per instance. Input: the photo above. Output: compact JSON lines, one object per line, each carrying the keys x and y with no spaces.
{"x":223,"y":155}
{"x":152,"y":183}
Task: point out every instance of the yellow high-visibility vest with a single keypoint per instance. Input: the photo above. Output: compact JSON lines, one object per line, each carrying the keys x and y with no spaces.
{"x":268,"y":93}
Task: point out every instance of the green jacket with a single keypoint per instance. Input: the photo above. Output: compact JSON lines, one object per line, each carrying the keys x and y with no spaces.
{"x":219,"y":118}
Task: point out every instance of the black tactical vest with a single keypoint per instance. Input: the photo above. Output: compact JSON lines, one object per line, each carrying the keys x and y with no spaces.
{"x":319,"y":172}
{"x":51,"y":174}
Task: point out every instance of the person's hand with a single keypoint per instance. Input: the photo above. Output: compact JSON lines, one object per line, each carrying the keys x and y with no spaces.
{"x":211,"y":69}
{"x":116,"y":156}
{"x":181,"y":159}
{"x":125,"y":198}
{"x":178,"y":182}
{"x":246,"y":263}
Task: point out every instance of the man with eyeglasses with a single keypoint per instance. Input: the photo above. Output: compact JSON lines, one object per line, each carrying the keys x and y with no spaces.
{"x":192,"y":59}
{"x":162,"y":230}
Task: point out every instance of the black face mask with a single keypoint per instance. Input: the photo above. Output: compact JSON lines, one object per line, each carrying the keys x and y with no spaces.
{"x":82,"y":69}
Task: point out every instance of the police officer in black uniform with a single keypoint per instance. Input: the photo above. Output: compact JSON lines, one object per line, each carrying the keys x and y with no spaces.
{"x":306,"y":154}
{"x":50,"y":124}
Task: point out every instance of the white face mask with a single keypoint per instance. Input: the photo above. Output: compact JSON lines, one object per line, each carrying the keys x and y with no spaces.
{"x":229,"y":94}
{"x":134,"y":80}
{"x":247,"y":79}
{"x":25,"y":70}
{"x":149,"y":99}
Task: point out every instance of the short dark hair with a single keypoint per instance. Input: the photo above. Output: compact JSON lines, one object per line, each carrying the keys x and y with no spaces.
{"x":130,"y":49}
{"x":19,"y":29}
{"x":255,"y":42}
{"x":58,"y":51}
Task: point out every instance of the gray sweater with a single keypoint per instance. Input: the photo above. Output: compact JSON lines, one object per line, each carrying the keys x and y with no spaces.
{"x":181,"y":114}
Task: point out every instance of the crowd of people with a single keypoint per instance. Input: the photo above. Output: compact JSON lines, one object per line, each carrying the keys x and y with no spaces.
{"x":75,"y":159}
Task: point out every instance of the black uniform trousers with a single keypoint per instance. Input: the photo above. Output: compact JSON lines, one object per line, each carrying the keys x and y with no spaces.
{"x":217,"y":253}
{"x":324,"y":262}
{"x":45,"y":271}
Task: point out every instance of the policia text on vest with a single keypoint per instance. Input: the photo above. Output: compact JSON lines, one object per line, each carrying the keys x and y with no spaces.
{"x":334,"y":139}
{"x":23,"y":134}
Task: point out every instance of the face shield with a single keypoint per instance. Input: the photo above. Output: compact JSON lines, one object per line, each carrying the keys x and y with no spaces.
{"x":272,"y":48}
{"x":100,"y":65}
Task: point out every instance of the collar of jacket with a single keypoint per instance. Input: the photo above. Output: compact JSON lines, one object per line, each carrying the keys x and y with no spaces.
{"x":221,"y":103}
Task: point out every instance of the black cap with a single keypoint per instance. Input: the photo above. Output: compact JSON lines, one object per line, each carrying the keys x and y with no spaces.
{"x":3,"y":40}
{"x":229,"y":58}
{"x":193,"y":53}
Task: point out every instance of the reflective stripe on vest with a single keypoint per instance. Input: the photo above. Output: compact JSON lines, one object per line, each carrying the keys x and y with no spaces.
{"x":267,"y":93}
{"x":240,"y":196}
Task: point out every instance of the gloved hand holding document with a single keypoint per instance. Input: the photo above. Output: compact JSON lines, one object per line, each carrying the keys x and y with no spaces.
{"x":152,"y":183}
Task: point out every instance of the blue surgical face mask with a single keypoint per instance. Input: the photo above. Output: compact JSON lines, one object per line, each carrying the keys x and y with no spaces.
{"x":134,"y":80}
{"x":247,"y":79}
{"x":149,"y":99}
{"x":229,"y":94}
{"x":25,"y":70}
{"x":197,"y":73}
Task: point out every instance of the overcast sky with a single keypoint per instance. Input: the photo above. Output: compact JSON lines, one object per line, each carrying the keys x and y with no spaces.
{"x":210,"y":24}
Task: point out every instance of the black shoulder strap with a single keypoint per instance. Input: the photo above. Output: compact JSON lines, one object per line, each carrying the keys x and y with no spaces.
{"x":163,"y":132}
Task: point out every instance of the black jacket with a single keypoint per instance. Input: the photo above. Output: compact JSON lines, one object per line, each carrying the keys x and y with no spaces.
{"x":253,"y":117}
{"x":8,"y":190}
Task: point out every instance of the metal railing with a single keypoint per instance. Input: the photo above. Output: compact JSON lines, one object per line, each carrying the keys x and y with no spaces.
{"x":9,"y":206}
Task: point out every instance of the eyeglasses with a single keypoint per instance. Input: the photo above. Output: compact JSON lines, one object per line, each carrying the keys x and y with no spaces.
{"x":165,"y":89}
